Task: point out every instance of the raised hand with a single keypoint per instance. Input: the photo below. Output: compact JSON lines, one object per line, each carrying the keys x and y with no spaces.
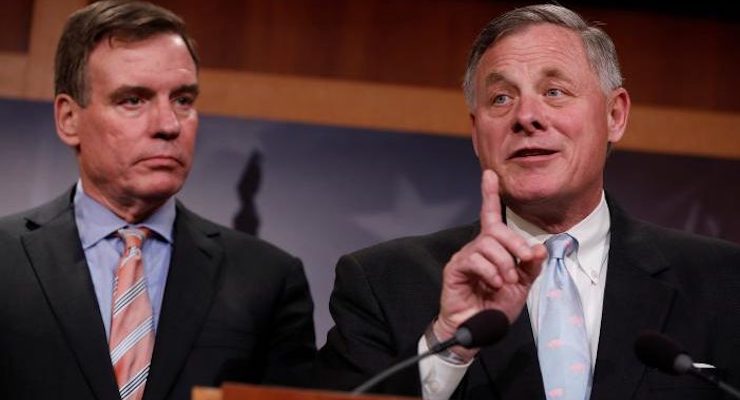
{"x":495,"y":270}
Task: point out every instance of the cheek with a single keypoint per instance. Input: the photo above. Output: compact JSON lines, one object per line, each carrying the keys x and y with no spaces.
{"x":188,"y":138}
{"x":486,"y":151}
{"x":489,"y":140}
{"x":97,"y":146}
{"x":104,"y":131}
{"x":584,"y":132}
{"x":590,"y":152}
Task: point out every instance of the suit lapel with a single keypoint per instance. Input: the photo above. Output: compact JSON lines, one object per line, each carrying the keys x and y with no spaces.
{"x":512,"y":364}
{"x":634,"y":300}
{"x":190,"y":288}
{"x":55,"y":253}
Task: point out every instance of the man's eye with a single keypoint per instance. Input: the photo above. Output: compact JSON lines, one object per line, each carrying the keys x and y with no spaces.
{"x":184,"y":100}
{"x":553,"y":92}
{"x":131,"y":101}
{"x":500,"y":99}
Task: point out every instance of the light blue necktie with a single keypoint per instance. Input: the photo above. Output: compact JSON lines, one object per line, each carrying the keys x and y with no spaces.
{"x":562,"y":344}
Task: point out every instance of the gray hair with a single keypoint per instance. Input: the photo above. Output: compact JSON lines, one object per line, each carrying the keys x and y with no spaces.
{"x":600,"y":49}
{"x":106,"y":20}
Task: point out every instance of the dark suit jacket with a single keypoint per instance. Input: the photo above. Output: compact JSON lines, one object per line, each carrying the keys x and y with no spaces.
{"x":235,"y":308}
{"x":685,"y":286}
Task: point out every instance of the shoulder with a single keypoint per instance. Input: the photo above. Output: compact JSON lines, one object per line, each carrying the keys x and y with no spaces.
{"x":704,"y":269}
{"x":681,"y":246}
{"x":676,"y":247}
{"x":395,"y":284}
{"x":16,"y":224}
{"x":432,"y":250}
{"x":239,"y":247}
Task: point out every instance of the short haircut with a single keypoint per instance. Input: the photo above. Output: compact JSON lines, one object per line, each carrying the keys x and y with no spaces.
{"x":129,"y":21}
{"x":600,"y":50}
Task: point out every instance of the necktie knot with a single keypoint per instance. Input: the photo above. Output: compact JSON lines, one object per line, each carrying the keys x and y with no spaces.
{"x":561,"y":245}
{"x":133,"y":237}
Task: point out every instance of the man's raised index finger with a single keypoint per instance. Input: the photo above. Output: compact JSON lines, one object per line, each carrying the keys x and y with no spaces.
{"x":490,"y":210}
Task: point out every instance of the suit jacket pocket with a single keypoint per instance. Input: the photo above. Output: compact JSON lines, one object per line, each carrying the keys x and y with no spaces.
{"x":225,"y":353}
{"x":216,"y":334}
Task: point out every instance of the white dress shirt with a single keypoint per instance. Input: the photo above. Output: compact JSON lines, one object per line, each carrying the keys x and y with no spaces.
{"x":587,"y":267}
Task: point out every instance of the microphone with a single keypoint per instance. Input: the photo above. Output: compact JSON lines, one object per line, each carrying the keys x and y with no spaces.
{"x":482,"y":329}
{"x":661,"y":352}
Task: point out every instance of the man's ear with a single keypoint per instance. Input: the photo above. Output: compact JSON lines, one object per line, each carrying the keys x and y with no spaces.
{"x":618,"y":109}
{"x":66,"y":117}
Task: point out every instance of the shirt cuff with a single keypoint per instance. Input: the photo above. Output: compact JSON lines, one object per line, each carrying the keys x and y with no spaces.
{"x":439,"y":378}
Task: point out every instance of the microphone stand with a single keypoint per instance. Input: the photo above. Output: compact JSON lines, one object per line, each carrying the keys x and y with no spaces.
{"x":403,"y":365}
{"x":482,"y":329}
{"x":699,"y":373}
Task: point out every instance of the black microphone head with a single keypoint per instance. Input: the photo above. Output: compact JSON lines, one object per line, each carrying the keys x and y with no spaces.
{"x":661,"y":352}
{"x":482,"y":329}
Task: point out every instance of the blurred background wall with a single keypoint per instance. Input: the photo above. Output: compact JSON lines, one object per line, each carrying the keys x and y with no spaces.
{"x":329,"y":125}
{"x":398,"y":64}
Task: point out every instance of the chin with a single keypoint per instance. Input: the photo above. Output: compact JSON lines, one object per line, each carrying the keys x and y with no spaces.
{"x":528,"y":197}
{"x":530,"y":189}
{"x":160,"y":189}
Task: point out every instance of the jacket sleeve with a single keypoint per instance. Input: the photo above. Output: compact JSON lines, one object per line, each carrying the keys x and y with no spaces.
{"x":362,"y":343}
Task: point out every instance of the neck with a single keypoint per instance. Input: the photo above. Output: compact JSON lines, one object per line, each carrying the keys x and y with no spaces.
{"x":131,"y":210}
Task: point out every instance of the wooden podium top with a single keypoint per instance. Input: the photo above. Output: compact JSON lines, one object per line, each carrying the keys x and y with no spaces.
{"x":237,"y":391}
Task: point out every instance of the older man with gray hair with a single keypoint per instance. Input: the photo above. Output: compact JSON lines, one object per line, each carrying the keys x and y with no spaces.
{"x":577,"y":278}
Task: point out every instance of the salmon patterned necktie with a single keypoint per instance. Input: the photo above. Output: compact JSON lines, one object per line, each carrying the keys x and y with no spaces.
{"x":132,"y":328}
{"x":562,"y":345}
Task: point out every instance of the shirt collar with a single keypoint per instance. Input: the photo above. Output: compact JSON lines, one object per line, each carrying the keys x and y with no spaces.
{"x":96,"y":222}
{"x":591,"y":233}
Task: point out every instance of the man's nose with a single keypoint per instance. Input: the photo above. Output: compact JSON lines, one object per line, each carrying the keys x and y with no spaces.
{"x":529,"y":117}
{"x":165,"y":121}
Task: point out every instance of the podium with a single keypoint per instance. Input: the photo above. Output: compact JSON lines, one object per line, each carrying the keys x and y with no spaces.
{"x":238,"y":391}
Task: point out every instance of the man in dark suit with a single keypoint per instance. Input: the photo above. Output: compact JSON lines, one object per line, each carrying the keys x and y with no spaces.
{"x":194,"y":303}
{"x":546,"y":103}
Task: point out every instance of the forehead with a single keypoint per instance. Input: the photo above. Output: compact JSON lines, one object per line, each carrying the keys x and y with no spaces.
{"x":161,"y":57}
{"x":538,"y":49}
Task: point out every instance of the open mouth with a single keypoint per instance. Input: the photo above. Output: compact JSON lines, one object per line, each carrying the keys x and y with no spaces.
{"x":523,"y":153}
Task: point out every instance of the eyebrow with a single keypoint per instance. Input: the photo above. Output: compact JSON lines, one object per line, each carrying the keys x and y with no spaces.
{"x":555,"y":73}
{"x":147,"y":92}
{"x":494,"y":78}
{"x":128,"y":89}
{"x":193,"y":89}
